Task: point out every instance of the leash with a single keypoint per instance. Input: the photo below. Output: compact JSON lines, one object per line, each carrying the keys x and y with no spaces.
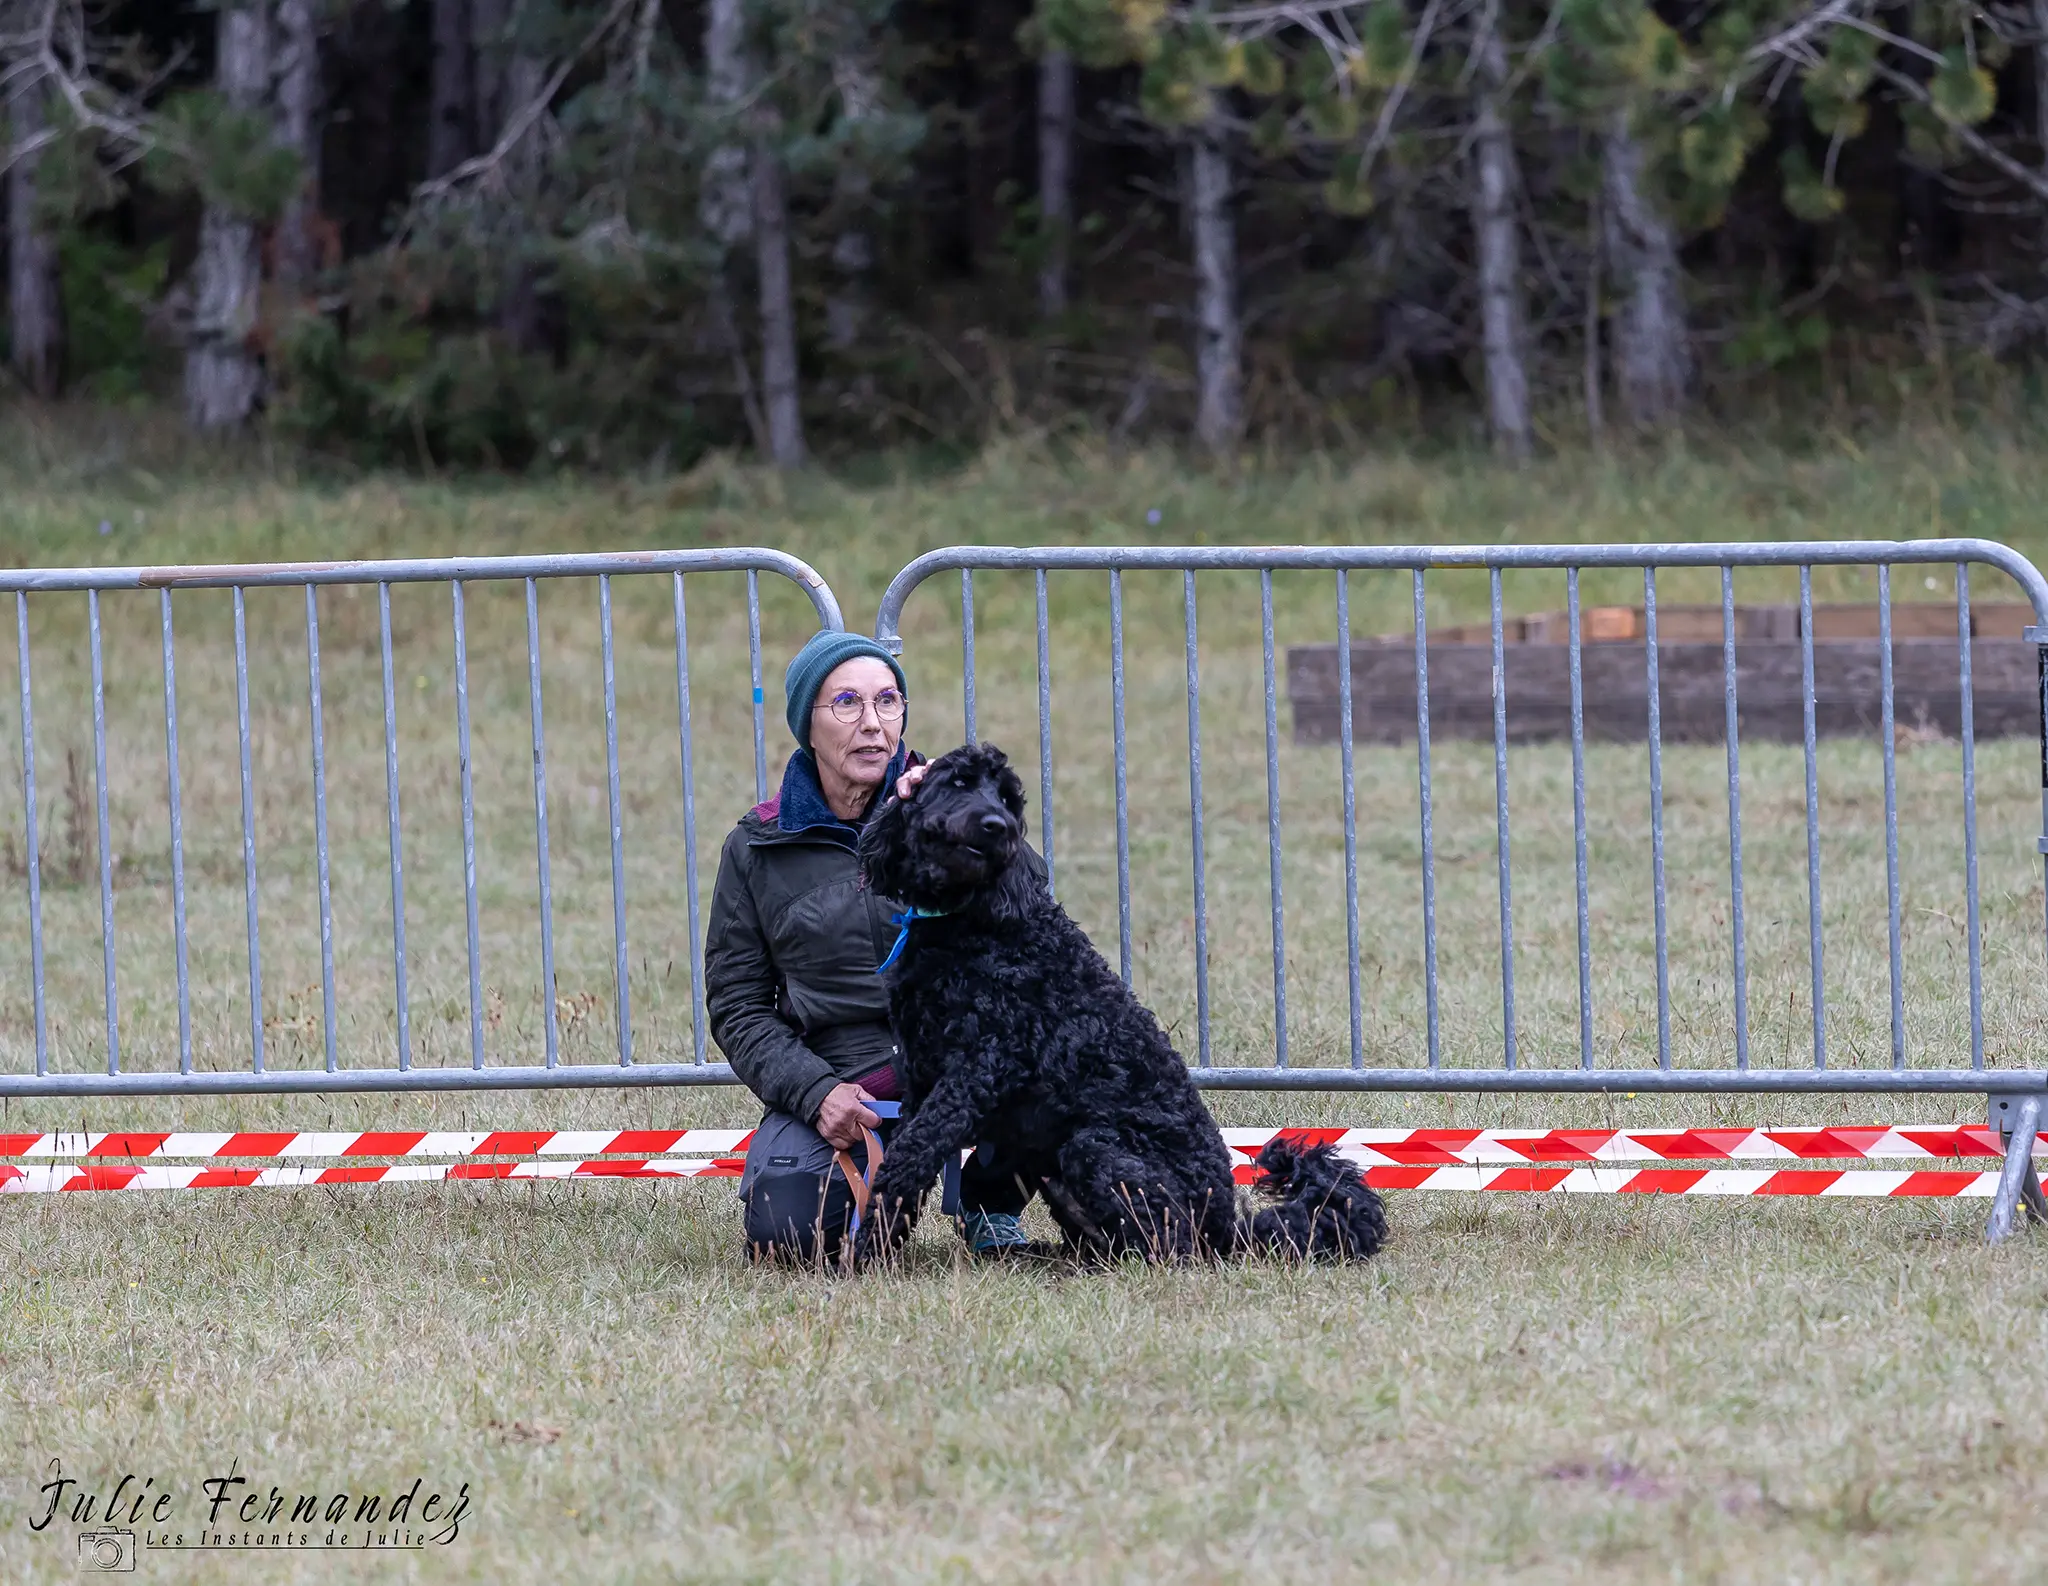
{"x":862,"y":1184}
{"x":902,"y":924}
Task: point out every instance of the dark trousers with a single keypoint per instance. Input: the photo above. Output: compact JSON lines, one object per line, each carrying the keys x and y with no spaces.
{"x":798,"y":1202}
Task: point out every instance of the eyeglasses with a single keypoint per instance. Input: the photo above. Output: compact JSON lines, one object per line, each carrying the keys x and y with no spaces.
{"x":849,"y":707}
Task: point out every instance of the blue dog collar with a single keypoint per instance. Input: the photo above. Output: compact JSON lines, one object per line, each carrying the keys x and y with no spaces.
{"x":902,"y":924}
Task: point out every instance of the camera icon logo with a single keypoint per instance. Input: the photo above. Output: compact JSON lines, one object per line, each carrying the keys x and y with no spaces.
{"x":109,"y":1552}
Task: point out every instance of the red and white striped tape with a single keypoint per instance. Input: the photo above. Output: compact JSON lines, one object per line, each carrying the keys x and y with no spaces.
{"x":1473,"y":1147}
{"x":1541,"y":1180}
{"x":119,"y":1176}
{"x":385,"y":1143}
{"x":1685,"y":1181}
{"x":1543,"y":1161}
{"x":1367,"y":1147}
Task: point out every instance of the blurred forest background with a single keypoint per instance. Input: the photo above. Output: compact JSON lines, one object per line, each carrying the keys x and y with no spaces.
{"x":627,"y":234}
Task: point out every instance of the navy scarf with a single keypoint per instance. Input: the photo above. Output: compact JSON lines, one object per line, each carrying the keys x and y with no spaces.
{"x":802,"y":807}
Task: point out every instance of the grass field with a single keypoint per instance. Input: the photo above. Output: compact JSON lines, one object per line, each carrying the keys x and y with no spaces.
{"x":1516,"y":1391}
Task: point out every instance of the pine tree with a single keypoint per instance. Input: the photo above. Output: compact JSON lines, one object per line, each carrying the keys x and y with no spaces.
{"x":1056,"y":176}
{"x":451,"y":116}
{"x":1498,"y":237}
{"x":223,"y":375}
{"x":781,"y":394}
{"x":296,"y":247}
{"x":1219,"y":354}
{"x":35,"y":323}
{"x":1653,"y":364}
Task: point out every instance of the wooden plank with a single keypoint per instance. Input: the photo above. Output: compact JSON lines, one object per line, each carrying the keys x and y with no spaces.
{"x":1921,"y":619}
{"x":1684,"y":624}
{"x":1927,"y":691}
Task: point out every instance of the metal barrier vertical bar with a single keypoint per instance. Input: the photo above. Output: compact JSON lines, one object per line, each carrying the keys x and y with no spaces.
{"x":469,"y":904}
{"x":1123,"y":811}
{"x":1346,"y":758}
{"x":2017,"y":1172}
{"x":1500,"y":824}
{"x":622,"y":985}
{"x":35,"y":852}
{"x":248,"y":834}
{"x":1273,"y":824}
{"x":1891,"y":813}
{"x":760,"y":726}
{"x":1813,"y":915}
{"x":682,"y":622}
{"x":1733,"y":731}
{"x":174,"y":790}
{"x":1577,"y":638}
{"x":1969,"y":713}
{"x":320,"y":820}
{"x":1044,"y":732}
{"x":2039,"y":636}
{"x":313,"y":695}
{"x":398,"y":959}
{"x":1197,"y":836}
{"x":540,"y":803}
{"x":1657,"y":816}
{"x":1429,"y":985}
{"x":967,"y":715}
{"x":99,"y":766}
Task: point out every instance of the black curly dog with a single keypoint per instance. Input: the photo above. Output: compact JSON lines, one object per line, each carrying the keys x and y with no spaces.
{"x":1017,"y":1036}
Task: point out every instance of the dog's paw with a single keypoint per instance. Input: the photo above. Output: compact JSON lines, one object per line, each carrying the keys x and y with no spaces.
{"x":869,"y":1249}
{"x":879,"y":1238}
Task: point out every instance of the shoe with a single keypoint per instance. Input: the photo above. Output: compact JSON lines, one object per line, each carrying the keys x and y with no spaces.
{"x":993,"y":1233}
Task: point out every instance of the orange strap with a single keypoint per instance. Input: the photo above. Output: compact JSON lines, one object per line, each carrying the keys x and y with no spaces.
{"x":854,"y":1180}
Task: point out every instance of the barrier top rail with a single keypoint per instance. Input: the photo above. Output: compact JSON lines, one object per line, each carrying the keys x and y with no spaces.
{"x":1428,"y":558}
{"x":438,"y":569}
{"x":1511,"y":1074}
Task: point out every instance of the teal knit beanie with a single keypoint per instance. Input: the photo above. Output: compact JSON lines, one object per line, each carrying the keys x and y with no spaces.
{"x":815,"y":662}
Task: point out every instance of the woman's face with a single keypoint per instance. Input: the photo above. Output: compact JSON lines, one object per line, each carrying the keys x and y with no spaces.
{"x":857,"y":751}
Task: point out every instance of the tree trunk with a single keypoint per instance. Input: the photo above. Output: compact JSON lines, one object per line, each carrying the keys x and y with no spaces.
{"x":778,"y":310}
{"x":521,"y":312}
{"x":1652,"y":357}
{"x":853,"y":252}
{"x":451,"y":112}
{"x":296,"y":248}
{"x":490,"y":24}
{"x":1055,"y":176}
{"x":725,"y":201}
{"x":1218,"y":364}
{"x":223,"y":377}
{"x":1596,"y":407}
{"x":1500,"y":255}
{"x":2041,"y":102}
{"x":34,"y":302}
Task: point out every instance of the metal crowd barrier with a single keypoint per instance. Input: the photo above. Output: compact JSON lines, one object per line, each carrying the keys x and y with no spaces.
{"x":2017,"y":1092}
{"x":456,"y":573}
{"x":2024,"y":1085}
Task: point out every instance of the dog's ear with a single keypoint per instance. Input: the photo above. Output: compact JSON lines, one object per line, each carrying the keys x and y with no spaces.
{"x":884,"y":848}
{"x":1017,"y":893}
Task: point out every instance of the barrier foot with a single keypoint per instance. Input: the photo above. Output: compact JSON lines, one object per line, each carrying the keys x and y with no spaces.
{"x":2018,"y":1183}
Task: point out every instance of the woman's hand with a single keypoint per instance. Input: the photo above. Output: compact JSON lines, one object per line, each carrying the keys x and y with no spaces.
{"x":907,"y":783}
{"x":844,"y":1114}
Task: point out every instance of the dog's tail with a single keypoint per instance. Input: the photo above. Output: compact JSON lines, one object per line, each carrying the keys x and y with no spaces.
{"x":1322,"y":1207}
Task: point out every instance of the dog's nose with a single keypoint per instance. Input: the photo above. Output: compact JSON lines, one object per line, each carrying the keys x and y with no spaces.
{"x":994,"y":826}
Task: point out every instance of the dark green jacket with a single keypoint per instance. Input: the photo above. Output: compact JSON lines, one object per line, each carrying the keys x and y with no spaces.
{"x":792,"y":947}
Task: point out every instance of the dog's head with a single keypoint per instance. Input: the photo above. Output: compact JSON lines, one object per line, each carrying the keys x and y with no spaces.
{"x":959,"y":837}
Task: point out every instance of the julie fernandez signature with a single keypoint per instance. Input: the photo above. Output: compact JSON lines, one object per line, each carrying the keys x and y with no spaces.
{"x":234,"y":1511}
